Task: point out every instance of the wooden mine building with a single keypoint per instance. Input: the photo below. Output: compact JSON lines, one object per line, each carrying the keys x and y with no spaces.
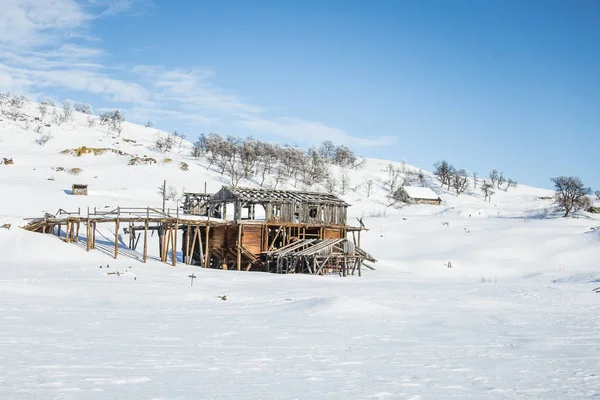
{"x":238,"y":228}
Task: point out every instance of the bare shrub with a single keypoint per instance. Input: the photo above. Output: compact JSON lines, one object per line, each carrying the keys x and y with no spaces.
{"x":368,"y":187}
{"x":163,"y":143}
{"x":91,"y":121}
{"x":38,"y":129}
{"x":67,"y":112}
{"x":149,"y":124}
{"x":43,"y":139}
{"x":83,"y":108}
{"x":172,"y":193}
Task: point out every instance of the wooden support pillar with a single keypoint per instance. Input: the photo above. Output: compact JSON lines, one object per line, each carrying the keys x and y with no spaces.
{"x":77,"y":234}
{"x":187,"y":245}
{"x":116,"y":238}
{"x":207,"y":252}
{"x":174,"y":250}
{"x":239,"y":248}
{"x":200,"y":249}
{"x":88,"y":236}
{"x":94,"y":235}
{"x":145,"y":256}
{"x":194,"y":244}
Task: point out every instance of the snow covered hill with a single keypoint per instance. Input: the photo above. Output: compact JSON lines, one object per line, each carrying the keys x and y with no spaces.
{"x":514,"y":317}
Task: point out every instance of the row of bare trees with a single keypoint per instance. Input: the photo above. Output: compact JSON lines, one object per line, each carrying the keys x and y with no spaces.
{"x":249,"y":158}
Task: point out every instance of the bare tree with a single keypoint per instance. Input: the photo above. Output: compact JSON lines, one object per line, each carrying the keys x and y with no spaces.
{"x":344,"y":182}
{"x":172,"y":193}
{"x":570,"y":193}
{"x":421,"y":177}
{"x":344,"y":157}
{"x":163,"y":143}
{"x":475,"y":180}
{"x":43,"y":109}
{"x":38,"y":129}
{"x":83,"y":108}
{"x":501,"y":180}
{"x":369,"y":187}
{"x":199,"y":147}
{"x":149,"y":124}
{"x":510,"y":183}
{"x":488,"y":190}
{"x":91,"y":121}
{"x":392,"y":180}
{"x":494,"y":175}
{"x":597,"y":193}
{"x":67,"y":112}
{"x":331,"y":184}
{"x":443,"y":171}
{"x":460,"y":181}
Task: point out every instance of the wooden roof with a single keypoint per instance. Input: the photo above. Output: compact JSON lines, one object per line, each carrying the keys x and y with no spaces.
{"x":251,"y":195}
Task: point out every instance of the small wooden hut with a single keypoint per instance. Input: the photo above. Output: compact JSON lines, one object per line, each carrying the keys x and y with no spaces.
{"x":419,"y":195}
{"x":79,"y":189}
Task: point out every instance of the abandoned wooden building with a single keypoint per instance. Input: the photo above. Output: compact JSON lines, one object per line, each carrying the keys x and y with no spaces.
{"x":419,"y":195}
{"x":196,"y":203}
{"x":79,"y":189}
{"x":279,"y":231}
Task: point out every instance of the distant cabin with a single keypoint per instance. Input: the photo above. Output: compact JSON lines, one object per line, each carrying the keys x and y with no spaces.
{"x":79,"y":189}
{"x":419,"y":195}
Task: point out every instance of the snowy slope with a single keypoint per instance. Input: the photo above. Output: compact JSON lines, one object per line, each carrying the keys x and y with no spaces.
{"x":514,"y":316}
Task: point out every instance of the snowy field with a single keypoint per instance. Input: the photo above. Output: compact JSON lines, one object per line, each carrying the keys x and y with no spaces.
{"x":514,"y":318}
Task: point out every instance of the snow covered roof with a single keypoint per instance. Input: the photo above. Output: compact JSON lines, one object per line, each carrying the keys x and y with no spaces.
{"x":416,"y":192}
{"x":272,"y":195}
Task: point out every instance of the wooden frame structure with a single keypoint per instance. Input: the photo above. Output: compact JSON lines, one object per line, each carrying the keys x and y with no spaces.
{"x":282,"y":242}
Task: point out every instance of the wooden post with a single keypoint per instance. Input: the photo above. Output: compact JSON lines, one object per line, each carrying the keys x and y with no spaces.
{"x":193,"y":244}
{"x":77,"y":235}
{"x":88,"y":236}
{"x":200,"y":249}
{"x":167,"y":241}
{"x":93,"y":235}
{"x":145,"y":256}
{"x":239,"y":248}
{"x":116,"y":238}
{"x":187,"y":246}
{"x":174,"y":251}
{"x":207,"y":252}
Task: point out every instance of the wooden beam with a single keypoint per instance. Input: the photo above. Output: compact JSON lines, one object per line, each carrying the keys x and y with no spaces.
{"x":187,"y":245}
{"x":145,"y":255}
{"x":194,"y":244}
{"x":174,"y":243}
{"x":207,"y":252}
{"x":239,"y":248}
{"x":88,"y":244}
{"x":116,"y":238}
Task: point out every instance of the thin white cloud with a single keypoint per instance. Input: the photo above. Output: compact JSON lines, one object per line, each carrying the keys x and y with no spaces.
{"x":308,"y":131}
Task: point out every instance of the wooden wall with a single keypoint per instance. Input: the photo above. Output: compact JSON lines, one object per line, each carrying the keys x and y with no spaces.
{"x":252,"y":238}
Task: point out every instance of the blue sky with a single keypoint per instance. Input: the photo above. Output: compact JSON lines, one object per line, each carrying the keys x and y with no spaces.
{"x":510,"y":84}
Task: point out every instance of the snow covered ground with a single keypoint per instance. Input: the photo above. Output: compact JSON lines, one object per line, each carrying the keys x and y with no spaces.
{"x":515,"y":316}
